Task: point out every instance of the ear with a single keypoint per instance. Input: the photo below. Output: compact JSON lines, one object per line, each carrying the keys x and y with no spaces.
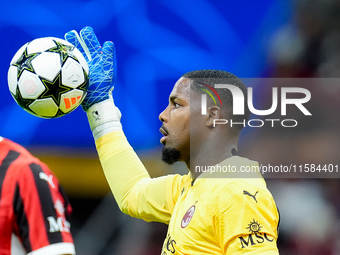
{"x":214,"y":112}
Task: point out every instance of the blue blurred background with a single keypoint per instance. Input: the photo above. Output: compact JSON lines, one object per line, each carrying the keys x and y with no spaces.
{"x":157,"y":41}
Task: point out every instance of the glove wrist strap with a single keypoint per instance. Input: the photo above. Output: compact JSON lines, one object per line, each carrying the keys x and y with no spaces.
{"x":104,"y":117}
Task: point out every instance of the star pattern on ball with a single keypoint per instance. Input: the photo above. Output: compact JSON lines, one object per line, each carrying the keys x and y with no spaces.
{"x":24,"y":103}
{"x":54,"y":89}
{"x":25,"y":62}
{"x":63,"y":50}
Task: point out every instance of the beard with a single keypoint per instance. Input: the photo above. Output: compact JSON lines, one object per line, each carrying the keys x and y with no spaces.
{"x":170,"y":155}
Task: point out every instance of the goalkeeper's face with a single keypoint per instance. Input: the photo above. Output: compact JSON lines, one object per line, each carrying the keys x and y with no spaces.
{"x":176,"y":124}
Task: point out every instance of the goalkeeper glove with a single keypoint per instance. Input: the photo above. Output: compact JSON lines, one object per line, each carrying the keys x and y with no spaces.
{"x":98,"y":103}
{"x":101,"y":61}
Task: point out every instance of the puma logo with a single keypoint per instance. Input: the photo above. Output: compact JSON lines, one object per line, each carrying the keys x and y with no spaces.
{"x":44,"y":176}
{"x":248,"y":194}
{"x":96,"y":115}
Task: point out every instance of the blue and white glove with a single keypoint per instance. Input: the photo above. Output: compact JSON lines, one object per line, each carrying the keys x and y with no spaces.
{"x":103,"y":115}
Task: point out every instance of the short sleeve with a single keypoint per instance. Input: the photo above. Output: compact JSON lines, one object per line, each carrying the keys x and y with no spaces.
{"x":246,"y":220}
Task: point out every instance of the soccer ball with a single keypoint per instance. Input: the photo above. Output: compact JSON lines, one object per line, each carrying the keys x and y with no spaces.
{"x":48,"y":77}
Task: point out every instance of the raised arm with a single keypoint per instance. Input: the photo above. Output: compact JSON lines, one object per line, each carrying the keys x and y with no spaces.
{"x":135,"y":192}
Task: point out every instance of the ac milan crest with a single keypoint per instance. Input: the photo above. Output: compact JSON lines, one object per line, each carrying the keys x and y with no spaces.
{"x":188,"y":216}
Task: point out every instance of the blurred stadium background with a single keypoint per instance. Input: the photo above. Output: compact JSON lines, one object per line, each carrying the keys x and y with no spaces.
{"x":157,"y":41}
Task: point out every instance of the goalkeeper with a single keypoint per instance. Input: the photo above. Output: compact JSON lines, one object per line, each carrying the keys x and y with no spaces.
{"x":227,"y":214}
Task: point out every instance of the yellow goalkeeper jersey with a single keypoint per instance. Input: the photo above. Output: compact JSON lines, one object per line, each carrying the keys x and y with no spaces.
{"x":223,"y":213}
{"x":222,"y":216}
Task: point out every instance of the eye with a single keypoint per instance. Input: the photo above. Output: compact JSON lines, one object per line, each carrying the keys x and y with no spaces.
{"x":177,"y":105}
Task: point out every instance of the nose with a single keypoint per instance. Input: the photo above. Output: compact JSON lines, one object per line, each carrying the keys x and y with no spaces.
{"x":163,"y":115}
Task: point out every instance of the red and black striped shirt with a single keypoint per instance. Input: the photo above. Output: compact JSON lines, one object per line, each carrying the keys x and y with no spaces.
{"x":33,"y":206}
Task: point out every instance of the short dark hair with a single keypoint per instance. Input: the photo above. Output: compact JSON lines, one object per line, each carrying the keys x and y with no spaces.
{"x":201,"y":78}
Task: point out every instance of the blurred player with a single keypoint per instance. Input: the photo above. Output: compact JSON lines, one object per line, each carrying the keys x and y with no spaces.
{"x":205,"y":215}
{"x":34,"y":209}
